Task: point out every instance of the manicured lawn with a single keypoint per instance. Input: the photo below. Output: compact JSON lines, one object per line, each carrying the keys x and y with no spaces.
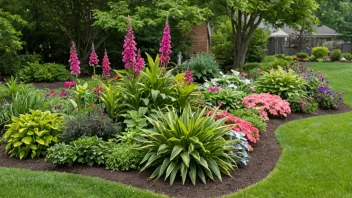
{"x":24,"y":183}
{"x":340,"y":75}
{"x":316,"y":160}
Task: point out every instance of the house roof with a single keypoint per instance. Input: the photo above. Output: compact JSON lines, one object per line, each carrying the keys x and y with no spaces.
{"x":321,"y":31}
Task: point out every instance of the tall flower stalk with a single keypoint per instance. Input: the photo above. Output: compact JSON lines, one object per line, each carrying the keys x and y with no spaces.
{"x":139,"y":63}
{"x":74,"y":62}
{"x":129,"y":47}
{"x":106,"y":65}
{"x":165,"y":45}
{"x":93,"y":59}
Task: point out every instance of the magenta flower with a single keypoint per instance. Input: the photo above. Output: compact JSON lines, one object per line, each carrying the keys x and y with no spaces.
{"x":93,"y":58}
{"x":69,"y":84}
{"x":165,"y":45}
{"x":106,"y":65}
{"x":188,"y":77}
{"x":129,"y":47}
{"x":74,"y":62}
{"x":63,"y":93}
{"x":139,"y":65}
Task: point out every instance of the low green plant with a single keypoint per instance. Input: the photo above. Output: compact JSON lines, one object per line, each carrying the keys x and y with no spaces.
{"x":226,"y":98}
{"x":320,"y":52}
{"x":347,"y":56}
{"x":31,"y":134}
{"x":336,"y":55}
{"x":123,"y":157}
{"x":111,"y":97}
{"x":282,"y":83}
{"x":249,"y":66}
{"x":89,"y":124}
{"x":304,"y":105}
{"x":203,"y":67}
{"x":280,"y":56}
{"x":302,"y":55}
{"x":289,"y":58}
{"x":252,"y":116}
{"x":269,"y":59}
{"x":189,"y":145}
{"x":61,"y":154}
{"x":37,"y":72}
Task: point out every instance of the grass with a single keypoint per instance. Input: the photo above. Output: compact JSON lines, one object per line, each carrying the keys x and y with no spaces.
{"x":340,"y":75}
{"x":315,"y":162}
{"x":24,"y":183}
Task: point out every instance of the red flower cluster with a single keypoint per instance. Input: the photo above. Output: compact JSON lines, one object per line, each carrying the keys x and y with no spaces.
{"x":267,"y":103}
{"x":98,"y":90}
{"x":252,"y":133}
{"x":69,"y":84}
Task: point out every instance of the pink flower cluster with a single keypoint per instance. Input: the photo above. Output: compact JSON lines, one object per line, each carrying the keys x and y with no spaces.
{"x":165,"y":45}
{"x":74,"y":62}
{"x":214,"y":89}
{"x":131,"y":60}
{"x":69,"y":84}
{"x":93,"y":58}
{"x":188,"y":77}
{"x":267,"y":103}
{"x":98,"y":90}
{"x":106,"y":65}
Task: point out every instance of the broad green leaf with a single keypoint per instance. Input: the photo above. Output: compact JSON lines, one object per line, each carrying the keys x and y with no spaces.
{"x":193,"y":173}
{"x":27,"y":140}
{"x":175,"y":152}
{"x":185,"y":158}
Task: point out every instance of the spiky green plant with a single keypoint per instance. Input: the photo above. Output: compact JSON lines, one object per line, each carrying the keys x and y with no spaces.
{"x":188,"y":145}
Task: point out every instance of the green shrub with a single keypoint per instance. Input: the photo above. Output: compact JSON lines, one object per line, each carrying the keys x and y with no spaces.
{"x":252,"y":116}
{"x":304,"y":105}
{"x":320,"y":52}
{"x":36,"y":72}
{"x":124,"y":157}
{"x":279,"y":62}
{"x":32,"y":133}
{"x":347,"y":56}
{"x":12,"y":64}
{"x":227,"y":98}
{"x":249,"y":66}
{"x":336,"y":55}
{"x":289,"y":58}
{"x":87,"y":150}
{"x":302,"y":55}
{"x":312,"y":58}
{"x":282,"y":83}
{"x":189,"y":145}
{"x":203,"y":67}
{"x":269,"y":59}
{"x":90,"y":124}
{"x":280,"y":56}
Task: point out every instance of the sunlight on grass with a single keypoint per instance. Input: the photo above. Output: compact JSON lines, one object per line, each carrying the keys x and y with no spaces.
{"x":315,"y":161}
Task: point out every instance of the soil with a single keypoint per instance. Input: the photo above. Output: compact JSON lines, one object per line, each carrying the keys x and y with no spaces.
{"x":49,"y":85}
{"x":263,"y":160}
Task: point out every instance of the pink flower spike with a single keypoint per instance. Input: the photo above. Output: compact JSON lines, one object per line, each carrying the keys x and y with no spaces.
{"x":139,"y":63}
{"x":63,"y":93}
{"x":188,"y":77}
{"x":69,"y":84}
{"x":165,"y":45}
{"x":129,"y":47}
{"x":106,"y":65}
{"x":93,"y":58}
{"x":74,"y":62}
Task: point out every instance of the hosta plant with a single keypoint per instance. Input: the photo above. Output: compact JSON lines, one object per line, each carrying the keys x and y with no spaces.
{"x":286,"y":84}
{"x":190,"y":145}
{"x":267,"y":104}
{"x":31,"y":134}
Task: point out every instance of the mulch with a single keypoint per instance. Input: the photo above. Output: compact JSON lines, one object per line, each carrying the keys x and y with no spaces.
{"x":263,"y":160}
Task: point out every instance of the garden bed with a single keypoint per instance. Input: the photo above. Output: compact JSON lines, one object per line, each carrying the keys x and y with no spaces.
{"x":263,"y":160}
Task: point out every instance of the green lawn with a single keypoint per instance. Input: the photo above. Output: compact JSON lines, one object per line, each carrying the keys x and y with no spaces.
{"x":24,"y":183}
{"x":340,"y":75}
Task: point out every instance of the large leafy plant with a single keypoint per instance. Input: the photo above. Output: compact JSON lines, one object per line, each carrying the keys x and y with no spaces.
{"x":32,"y":133}
{"x":203,"y":67}
{"x":226,"y":98}
{"x":188,"y":145}
{"x":286,"y":84}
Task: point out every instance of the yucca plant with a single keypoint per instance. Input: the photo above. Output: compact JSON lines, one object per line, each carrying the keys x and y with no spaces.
{"x":32,"y":133}
{"x":188,"y":145}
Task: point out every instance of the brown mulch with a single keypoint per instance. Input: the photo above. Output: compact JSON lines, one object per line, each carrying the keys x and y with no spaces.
{"x":49,"y":85}
{"x":263,"y":160}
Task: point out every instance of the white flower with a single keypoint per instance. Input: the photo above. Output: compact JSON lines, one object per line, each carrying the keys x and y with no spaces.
{"x":206,"y":85}
{"x":236,"y":73}
{"x":246,"y":81}
{"x":232,"y":86}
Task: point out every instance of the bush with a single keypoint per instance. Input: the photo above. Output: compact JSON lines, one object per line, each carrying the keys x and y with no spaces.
{"x":203,"y":67}
{"x":189,"y":145}
{"x":336,"y":55}
{"x":124,"y":157}
{"x":90,"y":124}
{"x":282,"y":83}
{"x":249,"y":66}
{"x":328,"y":99}
{"x":289,"y":58}
{"x":252,"y":116}
{"x":302,"y":55}
{"x":87,"y":150}
{"x":279,"y":62}
{"x":320,"y":52}
{"x":269,"y":59}
{"x":266,"y":103}
{"x":347,"y":56}
{"x":12,"y":64}
{"x":32,"y":133}
{"x":36,"y":72}
{"x":226,"y":98}
{"x":304,"y":105}
{"x":280,"y":56}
